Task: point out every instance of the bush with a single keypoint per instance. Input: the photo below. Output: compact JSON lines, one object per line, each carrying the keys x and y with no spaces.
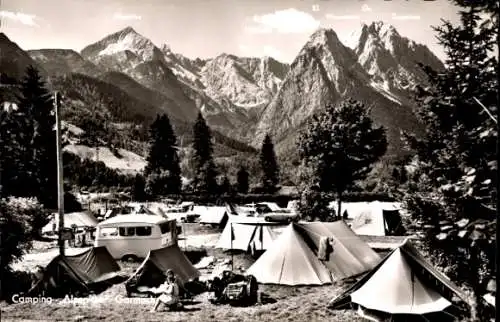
{"x":313,"y":205}
{"x":32,"y":211}
{"x":19,"y":282}
{"x":15,"y":237}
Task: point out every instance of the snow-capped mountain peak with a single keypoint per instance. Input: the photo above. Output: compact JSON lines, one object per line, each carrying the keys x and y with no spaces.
{"x":129,"y":39}
{"x":324,"y":37}
{"x":390,"y":58}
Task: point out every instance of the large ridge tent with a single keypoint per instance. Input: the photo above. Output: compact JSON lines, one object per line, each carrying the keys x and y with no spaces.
{"x":246,"y":236}
{"x":92,"y":270}
{"x":151,"y":273}
{"x":294,"y":257}
{"x":290,"y":261}
{"x":75,"y":219}
{"x":351,"y":256}
{"x":411,"y":288}
{"x":372,"y":218}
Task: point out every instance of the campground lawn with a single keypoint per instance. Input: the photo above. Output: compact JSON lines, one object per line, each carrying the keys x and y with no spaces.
{"x":280,"y":303}
{"x":292,"y":304}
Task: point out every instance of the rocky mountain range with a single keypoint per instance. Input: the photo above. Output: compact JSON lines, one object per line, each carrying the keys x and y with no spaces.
{"x":127,"y":77}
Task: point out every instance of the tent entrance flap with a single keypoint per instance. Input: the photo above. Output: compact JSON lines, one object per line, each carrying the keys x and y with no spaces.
{"x":151,"y":272}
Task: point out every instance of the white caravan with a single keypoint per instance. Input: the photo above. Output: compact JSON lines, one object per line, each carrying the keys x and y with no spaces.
{"x":130,"y":237}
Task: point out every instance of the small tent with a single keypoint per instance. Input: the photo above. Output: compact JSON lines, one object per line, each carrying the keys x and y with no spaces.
{"x":351,"y":256}
{"x":212,"y":215}
{"x":91,"y":271}
{"x":151,"y":273}
{"x":290,"y":261}
{"x":373,"y":218}
{"x":81,"y":219}
{"x":246,"y":236}
{"x":403,"y":286}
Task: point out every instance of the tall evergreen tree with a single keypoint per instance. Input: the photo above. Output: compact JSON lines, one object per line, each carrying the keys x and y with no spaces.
{"x":242,"y":180}
{"x":455,"y":178}
{"x":139,"y":188}
{"x":338,"y":147}
{"x":269,"y":166}
{"x":38,"y":140}
{"x":205,"y":178}
{"x":163,"y":161}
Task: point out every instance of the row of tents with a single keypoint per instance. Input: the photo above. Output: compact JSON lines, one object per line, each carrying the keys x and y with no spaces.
{"x":365,"y":218}
{"x":402,"y":285}
{"x":94,"y":270}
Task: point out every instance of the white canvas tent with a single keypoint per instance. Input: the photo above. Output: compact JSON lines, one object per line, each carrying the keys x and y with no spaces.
{"x":211,"y":215}
{"x":75,"y":219}
{"x":290,"y":261}
{"x":351,"y":256}
{"x":246,"y":236}
{"x":404,"y":293}
{"x":293,"y":258}
{"x":411,"y":287}
{"x":371,"y":218}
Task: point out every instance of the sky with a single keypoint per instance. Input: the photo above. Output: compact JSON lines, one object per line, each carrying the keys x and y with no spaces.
{"x":207,"y":28}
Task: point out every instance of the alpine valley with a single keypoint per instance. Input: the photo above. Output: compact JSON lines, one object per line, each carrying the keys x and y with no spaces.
{"x":127,"y":80}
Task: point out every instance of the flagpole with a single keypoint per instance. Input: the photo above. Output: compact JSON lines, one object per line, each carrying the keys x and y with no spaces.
{"x":60,"y":181}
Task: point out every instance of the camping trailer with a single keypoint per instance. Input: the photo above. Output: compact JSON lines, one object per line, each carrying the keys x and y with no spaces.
{"x":133,"y":236}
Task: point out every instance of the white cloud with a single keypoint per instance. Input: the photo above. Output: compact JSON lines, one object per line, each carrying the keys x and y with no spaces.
{"x":366,"y":8}
{"x":396,"y":17}
{"x":25,"y":19}
{"x":291,"y":21}
{"x":120,"y":16}
{"x":258,"y":29}
{"x":344,"y":17}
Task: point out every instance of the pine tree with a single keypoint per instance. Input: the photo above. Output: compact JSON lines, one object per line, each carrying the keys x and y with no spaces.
{"x":269,"y":166}
{"x":38,"y":140}
{"x":16,"y":133}
{"x":205,"y":178}
{"x":338,"y":147}
{"x":224,"y":185}
{"x":139,"y":188}
{"x":242,"y":180}
{"x":453,"y":189}
{"x":163,"y":161}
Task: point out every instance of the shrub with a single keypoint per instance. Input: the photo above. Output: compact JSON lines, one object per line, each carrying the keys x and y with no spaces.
{"x":30,"y":210}
{"x":15,"y":237}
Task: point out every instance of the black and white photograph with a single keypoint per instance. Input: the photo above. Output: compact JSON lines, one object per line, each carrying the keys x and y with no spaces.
{"x":249,"y":160}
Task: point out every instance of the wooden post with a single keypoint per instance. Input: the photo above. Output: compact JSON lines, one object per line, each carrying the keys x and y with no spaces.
{"x":60,"y":181}
{"x":232,"y":250}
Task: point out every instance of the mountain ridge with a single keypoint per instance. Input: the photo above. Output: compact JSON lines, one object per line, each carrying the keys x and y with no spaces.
{"x":246,"y":97}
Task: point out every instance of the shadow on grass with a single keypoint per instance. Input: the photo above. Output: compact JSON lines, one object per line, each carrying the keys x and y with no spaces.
{"x":195,"y":256}
{"x":190,"y":302}
{"x":266,"y":299}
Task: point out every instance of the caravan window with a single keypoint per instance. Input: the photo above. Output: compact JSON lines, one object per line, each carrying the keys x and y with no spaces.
{"x":165,"y":227}
{"x":143,"y":231}
{"x":109,"y":231}
{"x":127,"y":231}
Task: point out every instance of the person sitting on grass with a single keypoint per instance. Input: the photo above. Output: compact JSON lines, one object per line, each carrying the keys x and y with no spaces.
{"x":169,"y":292}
